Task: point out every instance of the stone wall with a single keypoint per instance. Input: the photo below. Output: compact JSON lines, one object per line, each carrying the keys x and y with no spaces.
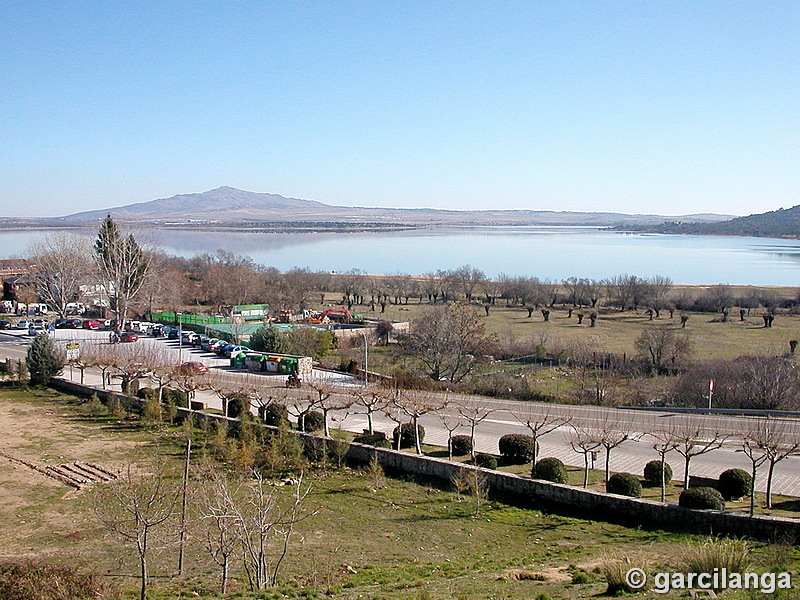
{"x":528,"y":492}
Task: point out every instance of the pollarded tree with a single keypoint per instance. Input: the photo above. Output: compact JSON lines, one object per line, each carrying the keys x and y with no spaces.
{"x":692,"y":438}
{"x":664,"y":348}
{"x":44,"y":360}
{"x":540,"y":421}
{"x":415,"y":404}
{"x":448,"y":341}
{"x":123,"y":266}
{"x":774,"y":440}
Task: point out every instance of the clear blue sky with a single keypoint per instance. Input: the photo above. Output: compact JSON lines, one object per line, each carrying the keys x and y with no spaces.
{"x":661,"y":107}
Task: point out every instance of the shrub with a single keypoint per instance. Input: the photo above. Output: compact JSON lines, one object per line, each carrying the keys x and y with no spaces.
{"x":44,"y":360}
{"x":407,"y":435}
{"x":516,"y":448}
{"x":43,"y":581}
{"x":735,"y":483}
{"x":702,"y":498}
{"x":487,"y":461}
{"x":461,"y":445}
{"x":614,"y":572}
{"x":314,"y":421}
{"x":550,"y":469}
{"x":377,"y":439}
{"x":652,"y":472}
{"x":274,"y":414}
{"x":624,"y":484}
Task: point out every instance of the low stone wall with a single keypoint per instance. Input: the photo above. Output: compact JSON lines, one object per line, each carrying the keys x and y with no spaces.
{"x":535,"y":493}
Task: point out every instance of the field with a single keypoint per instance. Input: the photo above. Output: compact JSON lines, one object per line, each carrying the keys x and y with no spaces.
{"x":371,"y":537}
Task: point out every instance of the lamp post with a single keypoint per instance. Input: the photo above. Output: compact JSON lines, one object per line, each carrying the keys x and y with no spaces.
{"x":180,"y":338}
{"x":366,"y":357}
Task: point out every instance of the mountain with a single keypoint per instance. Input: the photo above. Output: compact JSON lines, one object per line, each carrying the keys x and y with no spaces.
{"x":232,"y":207}
{"x":777,"y":223}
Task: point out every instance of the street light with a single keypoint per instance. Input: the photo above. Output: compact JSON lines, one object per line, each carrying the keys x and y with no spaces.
{"x":180,"y":337}
{"x":366,"y":357}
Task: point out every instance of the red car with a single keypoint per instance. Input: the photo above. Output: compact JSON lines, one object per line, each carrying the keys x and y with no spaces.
{"x":128,"y":336}
{"x":192,"y":368}
{"x":91,"y":324}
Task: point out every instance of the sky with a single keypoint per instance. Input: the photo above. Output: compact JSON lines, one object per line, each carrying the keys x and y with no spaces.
{"x":663,"y":107}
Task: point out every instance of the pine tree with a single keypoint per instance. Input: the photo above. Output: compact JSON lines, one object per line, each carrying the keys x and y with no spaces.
{"x":44,"y":360}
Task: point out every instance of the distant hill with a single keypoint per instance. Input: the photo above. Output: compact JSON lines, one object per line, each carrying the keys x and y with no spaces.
{"x":227,"y":206}
{"x":777,"y":223}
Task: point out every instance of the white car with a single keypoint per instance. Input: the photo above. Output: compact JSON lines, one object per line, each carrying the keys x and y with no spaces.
{"x":24,"y":324}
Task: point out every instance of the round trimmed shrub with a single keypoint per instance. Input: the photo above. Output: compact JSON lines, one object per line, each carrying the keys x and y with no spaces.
{"x":624,"y":484}
{"x":516,"y":448}
{"x":703,"y":498}
{"x":461,"y":445}
{"x":487,"y":461}
{"x":275,"y":415}
{"x":377,"y":439}
{"x":652,"y":472}
{"x":735,"y":483}
{"x":314,"y":421}
{"x":407,"y":435}
{"x":550,"y":469}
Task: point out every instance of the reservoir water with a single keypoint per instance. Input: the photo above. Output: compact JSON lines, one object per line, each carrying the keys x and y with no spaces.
{"x":553,"y":253}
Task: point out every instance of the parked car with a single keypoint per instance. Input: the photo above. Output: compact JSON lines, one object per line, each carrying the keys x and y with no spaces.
{"x":220,"y":349}
{"x":198,"y":341}
{"x":23,"y":324}
{"x":40,"y":323}
{"x":173,"y":334}
{"x":207,"y":343}
{"x":188,"y":337}
{"x":216,"y":344}
{"x":5,"y":324}
{"x":128,"y":336}
{"x":91,"y":324}
{"x":232,"y":349}
{"x":192,"y":368}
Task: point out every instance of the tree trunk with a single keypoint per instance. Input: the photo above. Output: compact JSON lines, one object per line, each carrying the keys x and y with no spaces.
{"x":663,"y":478}
{"x":586,"y":469}
{"x":686,"y":472}
{"x":770,"y":471}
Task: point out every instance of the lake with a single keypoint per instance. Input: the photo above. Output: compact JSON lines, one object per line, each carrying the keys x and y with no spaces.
{"x":553,"y":253}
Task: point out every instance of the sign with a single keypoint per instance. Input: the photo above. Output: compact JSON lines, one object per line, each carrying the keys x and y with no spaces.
{"x":73,"y":351}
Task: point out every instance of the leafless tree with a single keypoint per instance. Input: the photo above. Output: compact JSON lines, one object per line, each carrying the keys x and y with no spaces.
{"x":693,"y":438}
{"x":774,"y":440}
{"x":664,"y":348}
{"x":663,"y":443}
{"x":540,"y":421}
{"x":60,"y":264}
{"x":373,"y":399}
{"x":474,"y":413}
{"x":585,"y":440}
{"x":137,"y":507}
{"x":415,"y":404}
{"x":328,"y":400}
{"x":220,"y":540}
{"x":450,"y":422}
{"x":613,"y":433}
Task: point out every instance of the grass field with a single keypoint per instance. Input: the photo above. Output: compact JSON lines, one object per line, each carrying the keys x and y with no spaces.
{"x":371,"y":537}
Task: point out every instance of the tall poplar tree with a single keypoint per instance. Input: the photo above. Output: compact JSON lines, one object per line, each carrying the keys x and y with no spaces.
{"x":123,"y":265}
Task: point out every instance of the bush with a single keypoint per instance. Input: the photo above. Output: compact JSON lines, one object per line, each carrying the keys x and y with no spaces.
{"x":550,"y":469}
{"x":516,"y":448}
{"x":44,"y":359}
{"x":624,"y":484}
{"x":377,"y":439}
{"x":461,"y":445}
{"x":703,"y":498}
{"x":407,"y":435}
{"x":43,"y":581}
{"x":275,"y":415}
{"x":652,"y":472}
{"x":735,"y":483}
{"x":487,"y":461}
{"x":717,"y":553}
{"x":314,"y":421}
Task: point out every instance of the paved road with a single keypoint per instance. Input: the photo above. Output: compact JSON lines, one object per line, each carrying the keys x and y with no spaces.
{"x":629,"y":457}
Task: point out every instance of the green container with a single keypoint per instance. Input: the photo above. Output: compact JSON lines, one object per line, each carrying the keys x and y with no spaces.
{"x":237,"y":360}
{"x":287,"y":366}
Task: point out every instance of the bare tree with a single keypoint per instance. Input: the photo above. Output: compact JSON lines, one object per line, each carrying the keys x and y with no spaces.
{"x":474,"y":413}
{"x":775,"y":440}
{"x":137,"y":507}
{"x":664,"y":443}
{"x":60,"y":265}
{"x":450,"y":422}
{"x":692,"y":438}
{"x":540,"y":421}
{"x":415,"y":404}
{"x":221,"y":541}
{"x":664,"y":348}
{"x":373,"y":399}
{"x":327,"y":400}
{"x":585,"y":440}
{"x":613,"y":433}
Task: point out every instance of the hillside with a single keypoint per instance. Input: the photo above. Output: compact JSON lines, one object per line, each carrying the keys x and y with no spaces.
{"x":230,"y":206}
{"x":776,"y":223}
